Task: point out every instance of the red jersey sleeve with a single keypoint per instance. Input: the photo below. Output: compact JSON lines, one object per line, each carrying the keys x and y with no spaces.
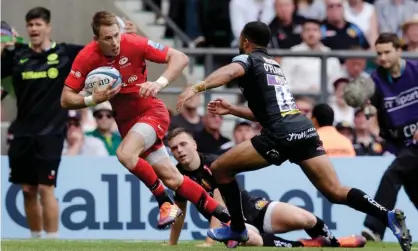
{"x":151,"y":50}
{"x":79,"y":70}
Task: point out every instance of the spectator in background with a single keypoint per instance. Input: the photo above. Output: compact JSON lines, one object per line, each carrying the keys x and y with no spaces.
{"x":38,"y":72}
{"x":104,"y":116}
{"x":314,"y":9}
{"x":39,"y":128}
{"x":354,"y":67}
{"x":297,"y":69}
{"x":345,"y":129}
{"x":334,"y":143}
{"x":365,"y":143}
{"x":286,"y":27}
{"x":243,"y":130}
{"x":342,"y":111}
{"x":215,"y":25}
{"x":188,"y":118}
{"x":184,"y":14}
{"x":305,"y":105}
{"x":76,"y":143}
{"x":364,"y":16}
{"x":391,"y":14}
{"x":410,"y":31}
{"x":210,"y":140}
{"x":337,"y":33}
{"x":242,"y":12}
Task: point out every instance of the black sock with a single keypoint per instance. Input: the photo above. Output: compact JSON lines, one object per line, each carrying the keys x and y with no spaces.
{"x":232,"y":197}
{"x":221,"y":213}
{"x":360,"y":201}
{"x":321,"y":229}
{"x":270,"y":240}
{"x":162,"y":197}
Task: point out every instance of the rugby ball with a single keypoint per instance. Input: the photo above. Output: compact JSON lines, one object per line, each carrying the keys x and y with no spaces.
{"x":105,"y":74}
{"x":358,"y":92}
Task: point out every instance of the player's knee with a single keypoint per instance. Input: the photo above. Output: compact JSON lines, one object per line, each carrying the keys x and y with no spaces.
{"x":309,"y":220}
{"x":46,"y":191}
{"x":220,"y":174}
{"x":127,"y":159}
{"x":173,"y":181}
{"x":337,"y":195}
{"x":30,"y":192}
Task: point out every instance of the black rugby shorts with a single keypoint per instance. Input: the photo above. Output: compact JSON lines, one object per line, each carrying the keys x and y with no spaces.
{"x":35,"y":160}
{"x":295,"y":147}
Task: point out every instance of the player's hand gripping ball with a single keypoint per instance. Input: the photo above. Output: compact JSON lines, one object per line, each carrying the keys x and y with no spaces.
{"x":103,"y":84}
{"x":106,"y":75}
{"x":358,"y":92}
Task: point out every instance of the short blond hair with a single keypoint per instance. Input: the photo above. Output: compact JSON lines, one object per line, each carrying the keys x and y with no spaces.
{"x":100,"y":18}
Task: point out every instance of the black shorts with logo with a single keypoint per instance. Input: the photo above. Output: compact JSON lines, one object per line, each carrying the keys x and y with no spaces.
{"x":295,"y":147}
{"x":35,"y":160}
{"x":254,"y":209}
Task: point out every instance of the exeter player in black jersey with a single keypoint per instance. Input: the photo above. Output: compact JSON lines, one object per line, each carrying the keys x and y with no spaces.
{"x":263,"y":217}
{"x":286,"y":135}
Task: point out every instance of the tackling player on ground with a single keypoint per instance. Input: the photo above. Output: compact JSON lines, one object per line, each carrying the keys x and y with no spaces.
{"x":286,"y":135}
{"x":264,"y":218}
{"x":142,"y":119}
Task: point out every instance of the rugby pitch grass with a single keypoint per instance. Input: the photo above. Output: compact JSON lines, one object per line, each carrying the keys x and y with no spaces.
{"x":98,"y":245}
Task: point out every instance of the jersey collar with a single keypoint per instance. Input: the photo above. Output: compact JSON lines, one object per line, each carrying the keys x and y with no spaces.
{"x":53,"y":45}
{"x":389,"y":77}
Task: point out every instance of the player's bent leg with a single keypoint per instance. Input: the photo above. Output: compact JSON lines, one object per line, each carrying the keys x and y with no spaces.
{"x":133,"y":145}
{"x":321,"y":173}
{"x":283,"y":217}
{"x":32,"y":210}
{"x":141,"y":137}
{"x":50,"y":210}
{"x":164,"y":168}
{"x":243,"y":157}
{"x":254,"y":237}
{"x":184,"y":186}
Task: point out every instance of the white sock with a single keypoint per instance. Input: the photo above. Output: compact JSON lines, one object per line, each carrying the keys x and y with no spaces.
{"x":51,"y":235}
{"x":35,"y":235}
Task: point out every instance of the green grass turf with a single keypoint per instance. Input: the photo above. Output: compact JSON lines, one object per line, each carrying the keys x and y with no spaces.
{"x":75,"y":245}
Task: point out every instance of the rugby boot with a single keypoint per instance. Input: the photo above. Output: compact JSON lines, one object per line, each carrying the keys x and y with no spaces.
{"x":225,"y":233}
{"x":168,"y":215}
{"x":396,"y":223}
{"x":316,"y":242}
{"x":354,"y":241}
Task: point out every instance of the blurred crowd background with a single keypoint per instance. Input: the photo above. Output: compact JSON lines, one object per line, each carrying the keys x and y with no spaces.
{"x":351,"y":25}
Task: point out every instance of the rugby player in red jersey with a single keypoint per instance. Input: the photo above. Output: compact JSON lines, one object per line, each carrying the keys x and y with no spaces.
{"x":142,"y":118}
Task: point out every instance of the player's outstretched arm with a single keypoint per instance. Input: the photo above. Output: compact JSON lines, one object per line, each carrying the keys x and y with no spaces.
{"x":176,"y":62}
{"x":178,"y":225}
{"x":218,"y":78}
{"x":243,"y":112}
{"x":222,"y":107}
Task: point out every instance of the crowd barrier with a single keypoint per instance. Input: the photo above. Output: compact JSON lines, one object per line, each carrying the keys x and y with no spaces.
{"x":99,"y":199}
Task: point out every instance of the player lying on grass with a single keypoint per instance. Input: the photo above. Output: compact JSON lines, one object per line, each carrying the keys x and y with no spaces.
{"x":264,"y":218}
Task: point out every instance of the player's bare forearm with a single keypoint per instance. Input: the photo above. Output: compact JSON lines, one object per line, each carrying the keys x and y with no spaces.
{"x":242,"y":112}
{"x":176,"y":62}
{"x":70,"y":99}
{"x":224,"y":75}
{"x":178,"y":225}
